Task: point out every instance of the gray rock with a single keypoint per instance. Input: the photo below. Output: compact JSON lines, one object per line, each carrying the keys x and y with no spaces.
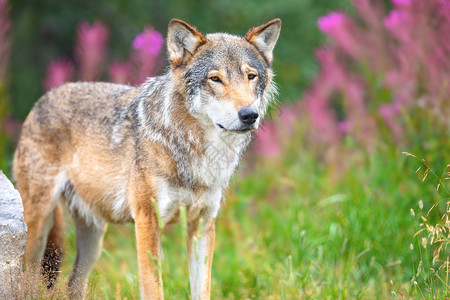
{"x":13,"y":239}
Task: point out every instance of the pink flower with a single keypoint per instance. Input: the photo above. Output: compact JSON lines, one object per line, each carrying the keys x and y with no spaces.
{"x":343,"y":31}
{"x":402,"y":2}
{"x":393,"y":20}
{"x":91,"y":49}
{"x":331,"y":71}
{"x":266,"y":142}
{"x":147,"y":47}
{"x":120,"y":72}
{"x":150,"y":41}
{"x":370,"y":13}
{"x":329,"y":23}
{"x":367,"y":66}
{"x":58,"y":72}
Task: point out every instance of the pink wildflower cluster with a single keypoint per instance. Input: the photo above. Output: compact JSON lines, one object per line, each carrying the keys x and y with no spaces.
{"x":275,"y":134}
{"x":91,"y":49}
{"x":92,"y":52}
{"x":147,"y":47}
{"x":376,"y":68}
{"x":144,"y":61}
{"x":58,"y":72}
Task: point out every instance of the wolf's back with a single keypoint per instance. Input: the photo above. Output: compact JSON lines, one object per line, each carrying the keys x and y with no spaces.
{"x":77,"y":106}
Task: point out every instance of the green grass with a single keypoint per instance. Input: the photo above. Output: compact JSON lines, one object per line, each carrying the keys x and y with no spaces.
{"x":292,"y":230}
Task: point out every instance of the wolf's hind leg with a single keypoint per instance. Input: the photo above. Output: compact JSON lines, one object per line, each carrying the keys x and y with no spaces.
{"x":39,"y":217}
{"x":89,"y":244}
{"x":38,"y":230}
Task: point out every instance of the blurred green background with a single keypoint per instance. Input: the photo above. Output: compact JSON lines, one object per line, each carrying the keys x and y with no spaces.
{"x":325,"y":204}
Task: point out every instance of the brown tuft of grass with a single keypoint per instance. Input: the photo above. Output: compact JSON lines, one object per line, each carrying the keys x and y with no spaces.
{"x":433,"y":237}
{"x":35,"y":286}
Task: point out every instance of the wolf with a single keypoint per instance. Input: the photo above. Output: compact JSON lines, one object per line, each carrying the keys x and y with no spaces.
{"x":117,"y":153}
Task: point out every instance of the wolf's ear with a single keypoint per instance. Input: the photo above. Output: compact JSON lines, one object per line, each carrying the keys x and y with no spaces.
{"x":182,"y":40}
{"x":265,"y":37}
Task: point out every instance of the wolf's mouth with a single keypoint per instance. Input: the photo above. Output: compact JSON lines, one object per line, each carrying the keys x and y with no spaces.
{"x":242,"y":130}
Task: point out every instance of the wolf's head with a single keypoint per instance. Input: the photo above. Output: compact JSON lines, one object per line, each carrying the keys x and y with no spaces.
{"x":228,"y":79}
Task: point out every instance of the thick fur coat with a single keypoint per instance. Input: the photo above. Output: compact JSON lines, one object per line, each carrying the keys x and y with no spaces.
{"x":116,"y":153}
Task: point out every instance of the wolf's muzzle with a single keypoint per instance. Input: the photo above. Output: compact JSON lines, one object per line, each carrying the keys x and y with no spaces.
{"x":248,"y":115}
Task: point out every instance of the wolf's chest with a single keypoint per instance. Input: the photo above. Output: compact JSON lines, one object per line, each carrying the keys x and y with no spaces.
{"x":198,"y":204}
{"x":217,"y":163}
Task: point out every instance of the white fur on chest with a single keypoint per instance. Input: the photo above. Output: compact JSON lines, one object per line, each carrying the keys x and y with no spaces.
{"x":171,"y":198}
{"x":220,"y":159}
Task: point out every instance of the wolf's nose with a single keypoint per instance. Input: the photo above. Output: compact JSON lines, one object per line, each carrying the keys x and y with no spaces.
{"x":248,"y":115}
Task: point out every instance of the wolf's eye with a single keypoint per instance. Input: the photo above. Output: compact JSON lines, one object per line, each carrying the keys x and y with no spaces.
{"x":251,"y":76}
{"x":215,"y":78}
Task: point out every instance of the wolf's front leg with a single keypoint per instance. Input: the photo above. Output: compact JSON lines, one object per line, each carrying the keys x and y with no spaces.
{"x":200,"y":243}
{"x":148,"y":238}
